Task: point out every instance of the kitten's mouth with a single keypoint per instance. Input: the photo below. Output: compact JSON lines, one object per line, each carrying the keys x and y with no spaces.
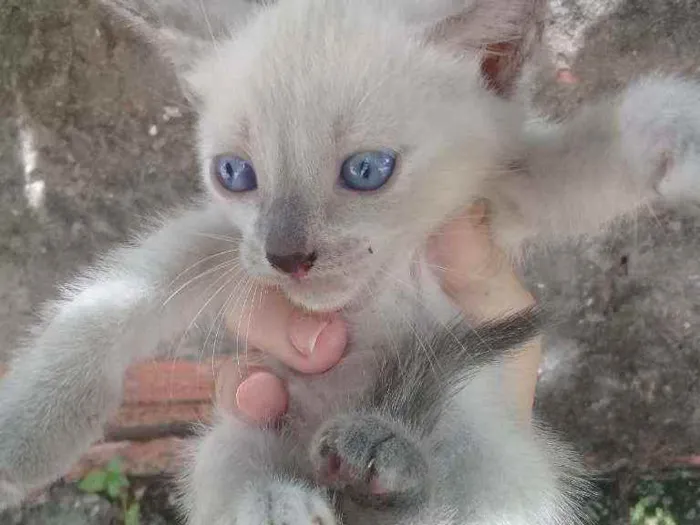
{"x":324,"y":293}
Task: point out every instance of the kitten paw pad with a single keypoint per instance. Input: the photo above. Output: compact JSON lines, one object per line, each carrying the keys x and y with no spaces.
{"x":374,"y":464}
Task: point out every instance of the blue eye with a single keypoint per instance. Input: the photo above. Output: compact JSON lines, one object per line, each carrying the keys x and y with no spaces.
{"x":368,"y":170}
{"x":234,"y":173}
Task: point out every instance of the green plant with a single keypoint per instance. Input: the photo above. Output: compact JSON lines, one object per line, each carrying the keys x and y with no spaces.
{"x":112,"y":482}
{"x":647,"y":511}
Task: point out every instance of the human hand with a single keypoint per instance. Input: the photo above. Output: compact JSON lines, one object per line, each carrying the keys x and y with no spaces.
{"x":307,"y":343}
{"x":479,"y":277}
{"x":472,"y":270}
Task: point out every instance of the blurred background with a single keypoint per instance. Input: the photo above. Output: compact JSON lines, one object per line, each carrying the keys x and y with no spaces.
{"x":94,"y":136}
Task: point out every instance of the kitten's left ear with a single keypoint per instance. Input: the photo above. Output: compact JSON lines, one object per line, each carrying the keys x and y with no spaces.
{"x":182,"y":31}
{"x":504,"y":31}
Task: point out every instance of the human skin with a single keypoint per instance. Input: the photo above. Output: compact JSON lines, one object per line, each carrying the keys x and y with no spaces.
{"x":473,"y":272}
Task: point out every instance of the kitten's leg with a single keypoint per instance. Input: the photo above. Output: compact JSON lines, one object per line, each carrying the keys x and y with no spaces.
{"x":477,"y":466}
{"x":491,"y":467}
{"x":242,"y":475}
{"x":371,"y":458}
{"x":609,"y":159}
{"x":380,"y":468}
{"x":67,"y":380}
{"x":433,"y":441}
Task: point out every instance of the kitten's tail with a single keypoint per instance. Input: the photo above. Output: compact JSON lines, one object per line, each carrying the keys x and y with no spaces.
{"x":415,"y":385}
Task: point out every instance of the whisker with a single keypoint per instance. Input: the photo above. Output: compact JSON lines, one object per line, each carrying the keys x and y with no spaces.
{"x":415,"y":296}
{"x":198,"y":262}
{"x":233,"y":301}
{"x":227,"y":307}
{"x":443,"y":268}
{"x":250,"y":317}
{"x":233,"y":264}
{"x":233,"y":272}
{"x":428,"y":349}
{"x":393,"y":339}
{"x":175,"y":348}
{"x":220,"y":318}
{"x":217,"y":237}
{"x":475,"y":276}
{"x":219,"y":322}
{"x":249,"y":287}
{"x":211,"y":298}
{"x":209,"y":26}
{"x":429,"y":352}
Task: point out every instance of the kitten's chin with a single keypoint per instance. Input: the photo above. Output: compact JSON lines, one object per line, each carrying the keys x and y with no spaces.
{"x":323,"y":296}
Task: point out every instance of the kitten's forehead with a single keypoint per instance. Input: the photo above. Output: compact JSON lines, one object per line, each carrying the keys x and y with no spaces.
{"x":347,"y":69}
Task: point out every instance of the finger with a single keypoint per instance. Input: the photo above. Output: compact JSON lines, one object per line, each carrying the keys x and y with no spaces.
{"x":473,"y":270}
{"x":462,"y":252}
{"x":307,"y":343}
{"x":260,"y":397}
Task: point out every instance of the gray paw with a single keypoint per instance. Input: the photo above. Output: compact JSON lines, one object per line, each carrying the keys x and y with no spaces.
{"x":366,"y":458}
{"x":283,"y":503}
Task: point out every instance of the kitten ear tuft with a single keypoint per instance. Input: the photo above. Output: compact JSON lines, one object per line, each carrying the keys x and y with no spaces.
{"x":504,"y":32}
{"x":183,"y":31}
{"x":180,"y":48}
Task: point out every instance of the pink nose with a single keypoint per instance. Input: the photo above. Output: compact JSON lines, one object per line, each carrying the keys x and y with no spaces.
{"x":295,"y":264}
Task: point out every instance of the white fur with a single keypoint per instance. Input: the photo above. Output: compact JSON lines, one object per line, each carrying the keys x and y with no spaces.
{"x":296,"y":89}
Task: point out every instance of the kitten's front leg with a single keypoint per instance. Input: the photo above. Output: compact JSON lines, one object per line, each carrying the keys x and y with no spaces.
{"x":376,"y":462}
{"x":242,"y":475}
{"x":609,"y":159}
{"x":477,"y":467}
{"x":67,"y":380}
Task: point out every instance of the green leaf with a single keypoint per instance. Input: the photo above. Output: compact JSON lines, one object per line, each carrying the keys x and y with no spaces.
{"x":117,"y":478}
{"x":124,"y":480}
{"x":639,"y":511}
{"x":133,"y":515}
{"x":115,"y":465}
{"x":113,"y":489}
{"x":94,"y":482}
{"x":663,"y":517}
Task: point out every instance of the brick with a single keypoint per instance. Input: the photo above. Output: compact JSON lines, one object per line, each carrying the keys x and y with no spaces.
{"x":169,"y":381}
{"x":153,"y":457}
{"x":159,"y":396}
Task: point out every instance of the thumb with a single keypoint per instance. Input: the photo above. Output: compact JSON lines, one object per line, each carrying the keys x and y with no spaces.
{"x":306,"y":342}
{"x":253,"y":393}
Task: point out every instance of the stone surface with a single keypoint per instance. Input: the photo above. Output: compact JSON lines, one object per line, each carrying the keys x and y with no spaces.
{"x":621,"y":376}
{"x":80,"y":169}
{"x":94,"y":136}
{"x":66,"y":505}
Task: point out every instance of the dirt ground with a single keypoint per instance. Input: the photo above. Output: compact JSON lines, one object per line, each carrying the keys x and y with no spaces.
{"x":94,"y":136}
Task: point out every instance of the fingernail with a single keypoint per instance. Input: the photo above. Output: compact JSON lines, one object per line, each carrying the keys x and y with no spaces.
{"x":304,"y":332}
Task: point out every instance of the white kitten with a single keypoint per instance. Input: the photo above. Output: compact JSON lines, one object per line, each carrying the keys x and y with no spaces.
{"x":334,"y":136}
